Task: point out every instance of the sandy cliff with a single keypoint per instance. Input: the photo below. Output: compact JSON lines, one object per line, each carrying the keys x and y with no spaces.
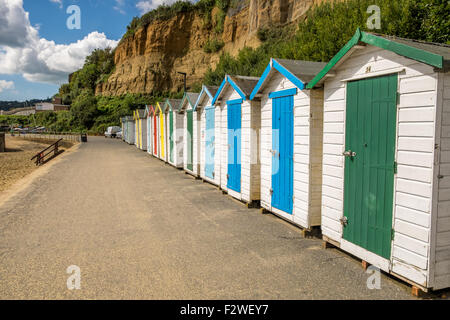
{"x":149,"y":60}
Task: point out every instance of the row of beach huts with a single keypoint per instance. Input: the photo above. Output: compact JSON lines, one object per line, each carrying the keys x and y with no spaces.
{"x":359,"y":147}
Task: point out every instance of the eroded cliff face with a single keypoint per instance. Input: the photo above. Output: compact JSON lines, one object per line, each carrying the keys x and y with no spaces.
{"x":150,"y":59}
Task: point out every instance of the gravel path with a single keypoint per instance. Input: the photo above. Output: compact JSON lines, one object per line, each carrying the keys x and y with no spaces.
{"x":140,"y":229}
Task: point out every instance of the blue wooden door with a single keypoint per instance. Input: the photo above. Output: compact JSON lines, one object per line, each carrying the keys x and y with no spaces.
{"x":209,"y":142}
{"x":234,"y":146}
{"x":282,"y":153}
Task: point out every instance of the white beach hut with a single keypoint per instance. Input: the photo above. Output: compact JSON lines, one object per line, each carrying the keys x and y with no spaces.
{"x":175,"y":122}
{"x":160,"y":132}
{"x":209,"y":124}
{"x":239,"y":138}
{"x":291,"y":141}
{"x":190,"y":129}
{"x":386,"y":156}
{"x":149,"y":119}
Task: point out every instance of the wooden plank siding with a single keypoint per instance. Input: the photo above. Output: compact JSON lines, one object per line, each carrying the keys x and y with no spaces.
{"x":308,"y":119}
{"x":202,"y":126}
{"x":195,"y":164}
{"x":413,"y":185}
{"x":442,"y":255}
{"x":178,"y":119}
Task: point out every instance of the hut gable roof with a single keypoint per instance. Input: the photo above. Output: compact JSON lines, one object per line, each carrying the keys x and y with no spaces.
{"x":148,"y":111}
{"x":188,"y":98}
{"x":207,"y":91}
{"x":158,"y":108}
{"x":173,"y":104}
{"x":433,"y":54}
{"x":242,"y":84}
{"x":299,"y":72}
{"x":139,"y":114}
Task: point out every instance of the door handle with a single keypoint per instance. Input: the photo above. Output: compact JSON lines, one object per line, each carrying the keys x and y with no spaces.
{"x":344,"y":221}
{"x":349,"y":153}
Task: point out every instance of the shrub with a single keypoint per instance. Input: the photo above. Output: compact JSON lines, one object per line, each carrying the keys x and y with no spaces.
{"x":212,"y":46}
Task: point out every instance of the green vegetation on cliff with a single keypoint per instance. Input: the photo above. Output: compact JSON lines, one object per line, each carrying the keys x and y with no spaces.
{"x":329,"y":26}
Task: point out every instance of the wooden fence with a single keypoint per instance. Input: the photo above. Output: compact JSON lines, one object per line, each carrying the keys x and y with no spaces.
{"x":51,"y":136}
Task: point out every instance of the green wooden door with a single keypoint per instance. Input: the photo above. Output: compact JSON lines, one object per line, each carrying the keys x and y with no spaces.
{"x":190,"y":138}
{"x":369,"y":172}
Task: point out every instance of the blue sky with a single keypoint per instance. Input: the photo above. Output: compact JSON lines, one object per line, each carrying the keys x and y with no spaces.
{"x":36,"y":67}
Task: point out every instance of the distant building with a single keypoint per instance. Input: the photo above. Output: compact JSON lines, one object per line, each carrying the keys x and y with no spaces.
{"x":57,"y":100}
{"x":47,"y":106}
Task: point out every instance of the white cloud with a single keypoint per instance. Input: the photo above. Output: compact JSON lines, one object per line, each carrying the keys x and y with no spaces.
{"x":145,"y":6}
{"x":119,"y":6}
{"x":38,"y":59}
{"x":58,"y":2}
{"x":6,"y":85}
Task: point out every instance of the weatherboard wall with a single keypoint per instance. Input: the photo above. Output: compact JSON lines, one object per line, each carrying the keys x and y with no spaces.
{"x":413,"y":183}
{"x":307,"y":179}
{"x":202,"y":114}
{"x":149,"y":134}
{"x":195,"y":163}
{"x":442,"y":239}
{"x":143,"y":133}
{"x":179,"y":139}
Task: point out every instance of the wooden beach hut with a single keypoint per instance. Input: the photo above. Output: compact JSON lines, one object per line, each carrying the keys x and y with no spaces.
{"x":123,"y":126}
{"x":291,"y":141}
{"x":386,"y":156}
{"x":190,"y":132}
{"x":174,"y":120}
{"x":129,"y":127}
{"x":155,"y":136}
{"x":239,"y":138}
{"x":160,"y":128}
{"x":141,"y":129}
{"x":148,"y":118}
{"x":209,"y":125}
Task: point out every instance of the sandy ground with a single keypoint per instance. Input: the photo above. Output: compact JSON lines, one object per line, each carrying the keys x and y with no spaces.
{"x":15,"y":163}
{"x":140,"y":229}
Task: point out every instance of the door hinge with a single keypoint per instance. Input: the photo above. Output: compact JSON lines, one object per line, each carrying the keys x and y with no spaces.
{"x":395,"y":167}
{"x":392,"y":234}
{"x":228,"y":176}
{"x":271,"y":191}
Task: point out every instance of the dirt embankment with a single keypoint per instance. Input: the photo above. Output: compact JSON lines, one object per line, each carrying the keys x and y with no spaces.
{"x":15,"y":163}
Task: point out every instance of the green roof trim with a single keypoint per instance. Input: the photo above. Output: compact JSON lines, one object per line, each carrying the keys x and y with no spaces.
{"x":383,"y":43}
{"x":430,"y":58}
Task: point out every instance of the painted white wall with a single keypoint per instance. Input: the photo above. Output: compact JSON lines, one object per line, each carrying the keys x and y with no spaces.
{"x":202,"y":138}
{"x":415,"y":152}
{"x":149,"y":135}
{"x":442,"y":240}
{"x":195,"y":164}
{"x":179,"y":139}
